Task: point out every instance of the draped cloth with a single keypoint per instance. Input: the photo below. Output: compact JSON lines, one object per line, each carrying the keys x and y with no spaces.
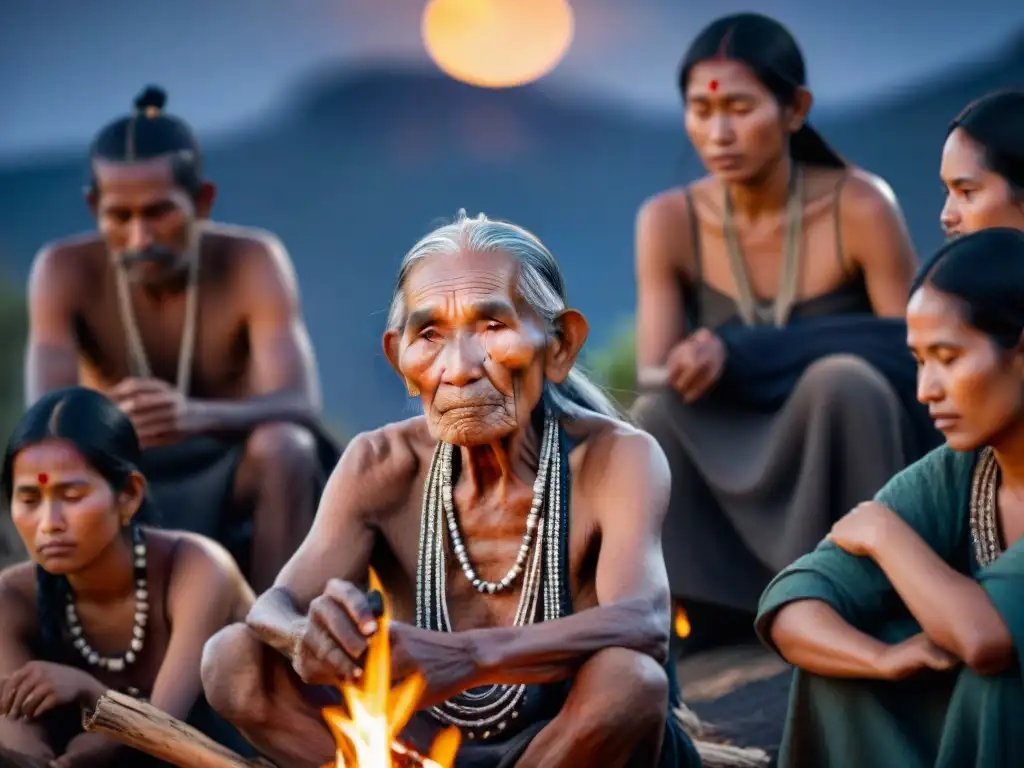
{"x":192,"y":483}
{"x":806,"y":421}
{"x":955,"y":719}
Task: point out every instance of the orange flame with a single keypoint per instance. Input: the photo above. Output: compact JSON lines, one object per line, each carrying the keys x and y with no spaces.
{"x":681,"y":622}
{"x":375,"y":713}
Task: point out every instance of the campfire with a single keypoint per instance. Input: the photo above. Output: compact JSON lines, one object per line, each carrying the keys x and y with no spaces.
{"x":366,"y":728}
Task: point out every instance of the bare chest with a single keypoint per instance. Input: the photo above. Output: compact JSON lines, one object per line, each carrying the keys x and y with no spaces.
{"x":762,"y":248}
{"x":491,"y":540}
{"x":220,"y":352}
{"x":110,"y":631}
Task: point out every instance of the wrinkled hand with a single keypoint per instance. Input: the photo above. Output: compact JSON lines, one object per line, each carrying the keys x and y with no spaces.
{"x":695,"y":364}
{"x":331,"y":644}
{"x":88,"y":750}
{"x":159,"y":413}
{"x":913,"y":655}
{"x":39,"y":686}
{"x":863,"y":528}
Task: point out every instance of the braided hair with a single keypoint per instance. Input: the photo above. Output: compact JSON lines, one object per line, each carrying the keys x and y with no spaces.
{"x":105,"y":437}
{"x":148,"y":133}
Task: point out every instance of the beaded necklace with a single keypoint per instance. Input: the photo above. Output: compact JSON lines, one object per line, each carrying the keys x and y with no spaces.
{"x":487,"y":711}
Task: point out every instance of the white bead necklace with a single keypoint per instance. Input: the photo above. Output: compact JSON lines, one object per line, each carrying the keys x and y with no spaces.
{"x":486,"y":712}
{"x":141,"y":578}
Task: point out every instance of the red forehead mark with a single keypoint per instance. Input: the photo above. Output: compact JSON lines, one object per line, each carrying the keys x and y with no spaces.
{"x":43,"y":478}
{"x":713,"y":86}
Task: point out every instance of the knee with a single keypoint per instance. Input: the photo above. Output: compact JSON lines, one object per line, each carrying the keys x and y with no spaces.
{"x":846,"y":380}
{"x":231,"y":675}
{"x":652,"y":410}
{"x":640,"y":684}
{"x":281,"y":445}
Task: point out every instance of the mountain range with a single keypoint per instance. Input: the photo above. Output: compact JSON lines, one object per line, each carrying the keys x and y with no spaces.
{"x":361,"y":164}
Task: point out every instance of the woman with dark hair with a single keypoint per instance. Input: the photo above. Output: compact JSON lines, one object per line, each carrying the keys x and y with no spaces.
{"x":769,"y":331}
{"x":983,"y":165}
{"x":108,"y":603}
{"x":907,"y":624}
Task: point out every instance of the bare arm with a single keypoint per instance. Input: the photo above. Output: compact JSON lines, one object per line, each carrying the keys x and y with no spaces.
{"x":203,"y":593}
{"x":51,"y":357}
{"x":953,"y":609}
{"x":630,"y":481}
{"x":374,"y":473}
{"x":811,"y":635}
{"x":16,"y":629}
{"x":283,"y":373}
{"x":662,"y":238}
{"x":875,"y":234}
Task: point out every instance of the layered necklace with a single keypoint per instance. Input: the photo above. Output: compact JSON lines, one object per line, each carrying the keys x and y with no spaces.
{"x":141,"y":582}
{"x":984,"y":509}
{"x":487,"y":711}
{"x":752,"y":310}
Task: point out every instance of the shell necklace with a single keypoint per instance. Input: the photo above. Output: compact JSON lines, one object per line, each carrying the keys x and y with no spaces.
{"x":120,"y":662}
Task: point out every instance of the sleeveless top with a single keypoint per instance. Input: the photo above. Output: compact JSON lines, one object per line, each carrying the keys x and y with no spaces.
{"x":708,"y":307}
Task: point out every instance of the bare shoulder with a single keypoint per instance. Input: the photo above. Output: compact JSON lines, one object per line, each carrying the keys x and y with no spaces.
{"x":197,"y":563}
{"x":72,"y":257}
{"x":663,"y":228}
{"x":663,"y":207}
{"x":664,"y":214}
{"x":865,"y":196}
{"x":617,"y":459}
{"x":18,"y":595}
{"x":192,"y":550}
{"x":255,"y":249}
{"x":255,"y":259}
{"x":379,"y":468}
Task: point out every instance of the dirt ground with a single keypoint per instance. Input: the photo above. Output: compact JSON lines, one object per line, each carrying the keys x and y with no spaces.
{"x":742,"y":691}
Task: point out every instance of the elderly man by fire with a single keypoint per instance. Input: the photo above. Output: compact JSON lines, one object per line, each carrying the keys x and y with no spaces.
{"x":515,"y":526}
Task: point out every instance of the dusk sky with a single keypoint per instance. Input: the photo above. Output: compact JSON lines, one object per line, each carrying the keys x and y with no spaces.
{"x":67,"y":66}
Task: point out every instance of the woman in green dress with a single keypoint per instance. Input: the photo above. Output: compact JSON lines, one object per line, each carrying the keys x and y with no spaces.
{"x":906,"y":624}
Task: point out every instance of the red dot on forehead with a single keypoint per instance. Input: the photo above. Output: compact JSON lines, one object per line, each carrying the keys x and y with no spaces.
{"x":713,"y":86}
{"x":43,"y":478}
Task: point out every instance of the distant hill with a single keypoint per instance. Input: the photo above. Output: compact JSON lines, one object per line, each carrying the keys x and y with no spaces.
{"x":365,"y":163}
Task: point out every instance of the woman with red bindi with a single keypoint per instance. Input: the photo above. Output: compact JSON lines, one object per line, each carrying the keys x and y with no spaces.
{"x":107,"y":601}
{"x":769,"y":293}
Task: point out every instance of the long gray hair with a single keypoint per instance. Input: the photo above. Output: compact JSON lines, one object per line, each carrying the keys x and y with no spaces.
{"x":540,"y":284}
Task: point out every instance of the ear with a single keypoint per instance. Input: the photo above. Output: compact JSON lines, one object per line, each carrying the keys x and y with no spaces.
{"x":571,"y":331}
{"x":92,"y":199}
{"x":390,"y":342}
{"x":129,"y":500}
{"x":204,"y":200}
{"x":796,"y":113}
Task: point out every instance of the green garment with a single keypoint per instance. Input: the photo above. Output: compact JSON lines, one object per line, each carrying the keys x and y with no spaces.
{"x":955,"y":719}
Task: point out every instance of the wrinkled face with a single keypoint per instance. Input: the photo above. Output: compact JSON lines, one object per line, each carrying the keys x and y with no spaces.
{"x":144,"y":216}
{"x":476,"y":354}
{"x":64,"y":511}
{"x":734,"y":123}
{"x":974,"y":390}
{"x":976,"y":197}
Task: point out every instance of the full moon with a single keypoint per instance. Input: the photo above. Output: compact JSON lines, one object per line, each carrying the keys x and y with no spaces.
{"x":497,"y":43}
